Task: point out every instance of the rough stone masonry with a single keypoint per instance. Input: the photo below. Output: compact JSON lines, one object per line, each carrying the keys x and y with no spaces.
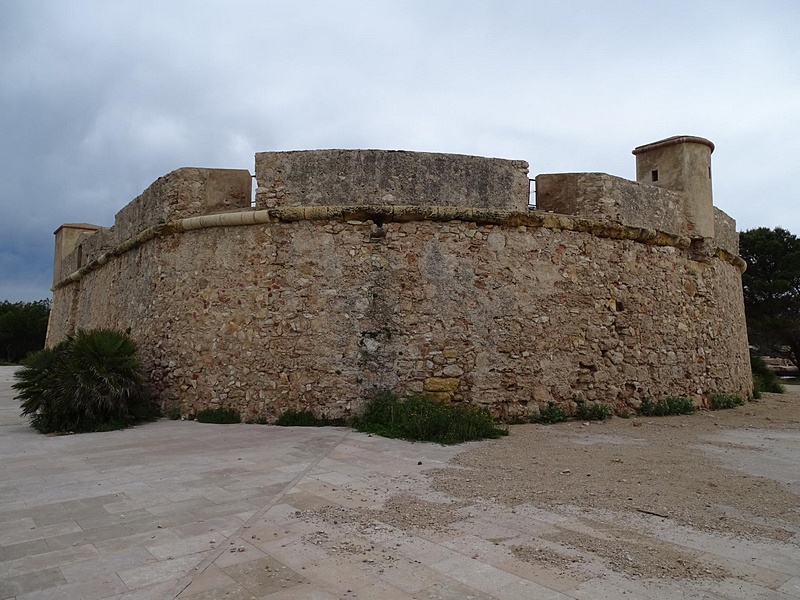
{"x":361,"y":270}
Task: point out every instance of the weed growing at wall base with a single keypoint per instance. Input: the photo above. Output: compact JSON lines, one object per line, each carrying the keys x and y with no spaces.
{"x":552,"y":413}
{"x":723,"y":401}
{"x":593,"y":411}
{"x":671,"y":405}
{"x":220,"y":416}
{"x":423,"y":419}
{"x":305,"y":418}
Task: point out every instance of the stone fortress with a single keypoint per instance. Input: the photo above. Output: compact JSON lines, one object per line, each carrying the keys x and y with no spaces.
{"x":363,"y":270}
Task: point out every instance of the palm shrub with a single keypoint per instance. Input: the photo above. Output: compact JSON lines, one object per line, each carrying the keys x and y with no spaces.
{"x":91,"y":381}
{"x":36,"y":386}
{"x":105,"y":380}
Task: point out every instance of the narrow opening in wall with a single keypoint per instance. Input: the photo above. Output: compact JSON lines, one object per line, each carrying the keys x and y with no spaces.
{"x":253,"y":192}
{"x":531,"y":194}
{"x":709,"y":172}
{"x":654,"y":175}
{"x":80,"y":255}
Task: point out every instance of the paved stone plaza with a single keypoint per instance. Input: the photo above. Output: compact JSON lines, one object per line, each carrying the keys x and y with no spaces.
{"x":178,"y":509}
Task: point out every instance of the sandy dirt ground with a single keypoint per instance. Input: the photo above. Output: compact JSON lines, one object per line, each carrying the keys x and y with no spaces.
{"x":729,"y":473}
{"x":688,"y":469}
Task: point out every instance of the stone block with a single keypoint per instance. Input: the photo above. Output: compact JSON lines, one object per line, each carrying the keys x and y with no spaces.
{"x":453,"y":371}
{"x":541,"y":394}
{"x":441,"y":384}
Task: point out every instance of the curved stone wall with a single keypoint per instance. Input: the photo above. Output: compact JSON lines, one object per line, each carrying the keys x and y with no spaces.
{"x":316,"y":306}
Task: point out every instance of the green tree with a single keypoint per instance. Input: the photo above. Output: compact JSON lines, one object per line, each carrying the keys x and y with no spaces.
{"x":772,"y":289}
{"x":23,"y":327}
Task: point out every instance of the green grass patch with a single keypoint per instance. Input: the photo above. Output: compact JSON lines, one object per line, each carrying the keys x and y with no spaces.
{"x":593,"y":411}
{"x":724,"y":401}
{"x":220,"y":416}
{"x":671,"y":405}
{"x":552,"y":413}
{"x":422,"y":419}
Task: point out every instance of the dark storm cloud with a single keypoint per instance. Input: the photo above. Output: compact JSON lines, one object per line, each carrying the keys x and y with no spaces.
{"x":98,"y":99}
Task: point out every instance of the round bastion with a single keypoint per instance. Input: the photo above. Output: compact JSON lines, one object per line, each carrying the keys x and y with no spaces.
{"x":354,"y":271}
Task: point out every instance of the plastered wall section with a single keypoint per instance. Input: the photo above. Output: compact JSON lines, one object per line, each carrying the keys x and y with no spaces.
{"x":316,"y":314}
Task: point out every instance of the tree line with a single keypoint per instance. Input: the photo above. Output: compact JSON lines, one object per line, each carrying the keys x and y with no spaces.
{"x":23,"y":327}
{"x":771,"y":286}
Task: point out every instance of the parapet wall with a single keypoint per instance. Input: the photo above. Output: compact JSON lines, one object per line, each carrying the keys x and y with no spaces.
{"x":608,"y":198}
{"x":328,"y":289}
{"x":186,"y":192}
{"x":183,"y":193}
{"x":389,"y":178}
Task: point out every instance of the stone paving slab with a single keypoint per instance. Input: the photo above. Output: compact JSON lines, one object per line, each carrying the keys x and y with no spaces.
{"x":185,"y":510}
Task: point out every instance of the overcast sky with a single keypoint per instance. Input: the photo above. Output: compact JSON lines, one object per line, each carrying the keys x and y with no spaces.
{"x":99,"y":99}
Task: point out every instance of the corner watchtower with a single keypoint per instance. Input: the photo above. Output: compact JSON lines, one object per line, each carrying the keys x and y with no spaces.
{"x":68,"y":238}
{"x":682,"y":164}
